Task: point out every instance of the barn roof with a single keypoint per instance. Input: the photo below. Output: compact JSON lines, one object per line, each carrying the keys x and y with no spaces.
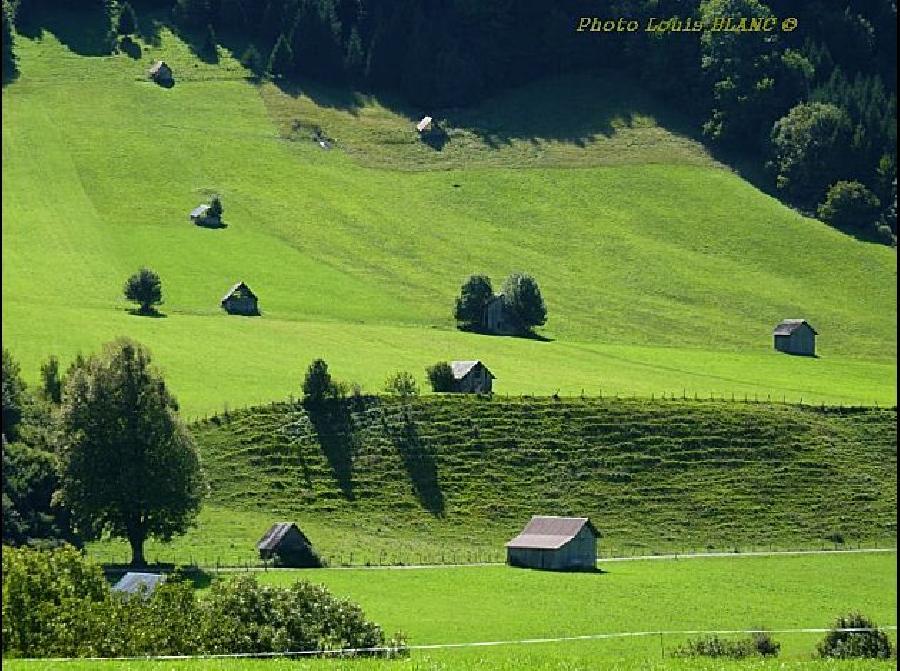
{"x":423,"y":124}
{"x":276,"y":534}
{"x":788,"y":326}
{"x":462,"y":368}
{"x":550,"y":533}
{"x":131,"y":583}
{"x":236,"y":288}
{"x":200,"y":210}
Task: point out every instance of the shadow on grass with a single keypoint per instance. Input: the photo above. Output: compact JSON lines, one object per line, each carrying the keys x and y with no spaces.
{"x":84,"y":30}
{"x":130,"y":48}
{"x":420,"y":464}
{"x":334,"y":433}
{"x":151,"y":313}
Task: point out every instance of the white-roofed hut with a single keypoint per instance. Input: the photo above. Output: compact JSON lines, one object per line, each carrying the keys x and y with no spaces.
{"x":471,"y":377}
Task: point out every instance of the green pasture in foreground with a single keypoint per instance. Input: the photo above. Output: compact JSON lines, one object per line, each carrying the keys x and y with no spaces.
{"x":662,"y":271}
{"x":459,"y":605}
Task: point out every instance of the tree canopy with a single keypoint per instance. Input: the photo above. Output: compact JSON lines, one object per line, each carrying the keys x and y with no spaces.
{"x":129,"y":465}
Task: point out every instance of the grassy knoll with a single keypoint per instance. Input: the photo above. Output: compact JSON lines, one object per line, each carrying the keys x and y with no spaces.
{"x":452,"y":478}
{"x":662,"y":270}
{"x":474,"y":604}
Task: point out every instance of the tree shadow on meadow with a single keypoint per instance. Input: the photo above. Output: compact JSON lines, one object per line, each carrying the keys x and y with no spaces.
{"x":420,"y":464}
{"x":334,"y":432}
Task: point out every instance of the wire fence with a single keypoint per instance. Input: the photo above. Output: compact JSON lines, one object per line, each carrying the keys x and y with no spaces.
{"x":119,"y":559}
{"x":403,"y":649}
{"x":742,"y":397}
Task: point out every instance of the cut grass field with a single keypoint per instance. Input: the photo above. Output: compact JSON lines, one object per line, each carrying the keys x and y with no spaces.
{"x":477,"y":604}
{"x":450,"y":479}
{"x":662,"y":270}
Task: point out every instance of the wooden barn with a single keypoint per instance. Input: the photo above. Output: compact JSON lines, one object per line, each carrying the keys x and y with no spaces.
{"x":497,"y":317}
{"x":198,"y":214}
{"x":161,"y":73}
{"x":424,"y":124}
{"x":795,"y":336}
{"x":289,"y":546}
{"x":555,"y":543}
{"x":240,"y":300}
{"x":471,"y":377}
{"x":136,"y":583}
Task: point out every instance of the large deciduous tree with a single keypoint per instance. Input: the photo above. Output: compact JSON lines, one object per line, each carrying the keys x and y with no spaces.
{"x":129,"y":465}
{"x":810,"y":145}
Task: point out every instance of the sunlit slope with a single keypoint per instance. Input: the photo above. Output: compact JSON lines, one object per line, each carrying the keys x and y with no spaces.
{"x":658,"y":277}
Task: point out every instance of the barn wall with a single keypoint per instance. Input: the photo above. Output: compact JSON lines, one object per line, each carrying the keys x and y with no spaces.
{"x":803,"y":341}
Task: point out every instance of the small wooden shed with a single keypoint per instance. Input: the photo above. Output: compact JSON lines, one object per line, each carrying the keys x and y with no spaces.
{"x":471,"y":377}
{"x":424,"y":124}
{"x":240,"y":300}
{"x":497,"y":317}
{"x":555,"y":543}
{"x":198,"y":214}
{"x":795,"y":336}
{"x":288,"y":545}
{"x":136,"y":583}
{"x":161,"y":73}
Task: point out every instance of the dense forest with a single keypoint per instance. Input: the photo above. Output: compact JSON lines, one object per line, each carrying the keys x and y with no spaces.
{"x":814,"y":108}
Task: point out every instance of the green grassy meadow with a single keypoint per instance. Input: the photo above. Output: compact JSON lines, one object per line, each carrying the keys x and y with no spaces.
{"x":476,"y":604}
{"x":662,"y":270}
{"x":451,"y":479}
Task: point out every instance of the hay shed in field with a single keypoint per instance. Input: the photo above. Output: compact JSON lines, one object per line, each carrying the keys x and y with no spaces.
{"x":795,"y":336}
{"x":288,"y":546}
{"x":498,"y":318}
{"x":134,"y":583}
{"x":471,"y":377}
{"x":161,"y":73}
{"x":199,"y":213}
{"x":424,"y":124}
{"x":240,"y":300}
{"x":555,"y":543}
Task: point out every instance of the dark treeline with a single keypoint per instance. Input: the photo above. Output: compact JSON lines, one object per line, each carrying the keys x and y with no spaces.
{"x":824,"y":92}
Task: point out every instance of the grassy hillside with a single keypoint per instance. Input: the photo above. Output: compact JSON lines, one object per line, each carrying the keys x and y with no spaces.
{"x":451,"y":479}
{"x":661,"y":270}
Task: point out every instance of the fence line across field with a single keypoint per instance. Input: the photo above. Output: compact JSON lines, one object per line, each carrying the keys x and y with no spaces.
{"x":488,"y":557}
{"x":474,"y":644}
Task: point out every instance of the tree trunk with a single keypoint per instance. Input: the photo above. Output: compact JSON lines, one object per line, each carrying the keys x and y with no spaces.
{"x":136,"y":540}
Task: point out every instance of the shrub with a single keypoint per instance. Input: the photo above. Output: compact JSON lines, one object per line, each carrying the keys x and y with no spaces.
{"x":850,"y":205}
{"x":47,"y":600}
{"x":58,"y":604}
{"x":873,"y":643}
{"x":759,"y":644}
{"x":145,"y":289}
{"x":402,"y":384}
{"x":440,"y":376}
{"x":809,"y":144}
{"x":240,"y":615}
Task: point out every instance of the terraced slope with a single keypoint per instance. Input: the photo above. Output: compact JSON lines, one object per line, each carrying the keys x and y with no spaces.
{"x":445,"y":478}
{"x":662,"y":270}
